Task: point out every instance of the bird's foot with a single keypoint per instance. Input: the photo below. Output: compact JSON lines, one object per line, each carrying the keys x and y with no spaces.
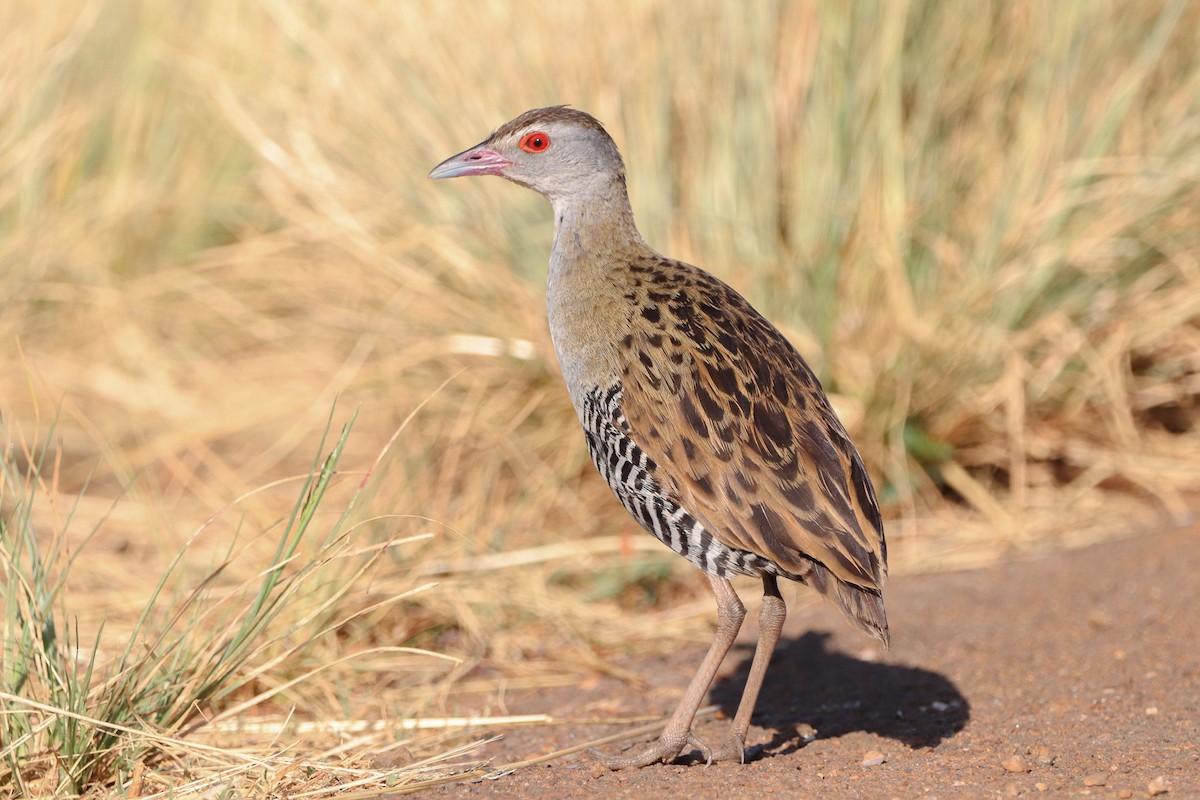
{"x":666,"y":750}
{"x":733,"y":749}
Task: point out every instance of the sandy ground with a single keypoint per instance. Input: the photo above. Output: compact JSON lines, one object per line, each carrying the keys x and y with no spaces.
{"x":1070,"y":674}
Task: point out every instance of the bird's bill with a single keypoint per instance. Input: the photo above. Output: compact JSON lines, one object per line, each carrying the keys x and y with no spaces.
{"x":479,"y":160}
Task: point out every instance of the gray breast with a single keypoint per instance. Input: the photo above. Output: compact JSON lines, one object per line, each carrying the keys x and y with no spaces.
{"x":630,"y":473}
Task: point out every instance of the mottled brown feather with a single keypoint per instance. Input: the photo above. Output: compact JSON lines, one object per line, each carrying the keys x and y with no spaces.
{"x":747,"y":441}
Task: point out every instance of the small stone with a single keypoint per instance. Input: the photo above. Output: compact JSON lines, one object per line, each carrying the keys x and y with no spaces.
{"x":1125,"y":794}
{"x":1095,"y":779}
{"x":393,"y":760}
{"x":939,"y":706}
{"x":1152,"y":711}
{"x":873,"y":758}
{"x":1041,"y":787}
{"x":1157,"y":786}
{"x":1016,"y":764}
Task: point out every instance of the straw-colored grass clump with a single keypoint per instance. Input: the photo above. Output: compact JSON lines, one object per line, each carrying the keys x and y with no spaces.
{"x":981,"y":225}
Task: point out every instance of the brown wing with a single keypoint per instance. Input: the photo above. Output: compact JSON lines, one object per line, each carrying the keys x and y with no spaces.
{"x":743,"y":433}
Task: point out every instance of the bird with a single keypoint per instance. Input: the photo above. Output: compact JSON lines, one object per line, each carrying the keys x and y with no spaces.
{"x":707,"y":424}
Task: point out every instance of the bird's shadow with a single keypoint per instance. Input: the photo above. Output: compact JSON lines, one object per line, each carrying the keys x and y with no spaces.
{"x":808,"y":684}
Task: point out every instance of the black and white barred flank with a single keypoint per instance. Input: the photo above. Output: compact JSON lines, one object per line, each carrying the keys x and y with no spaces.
{"x":629,"y":472}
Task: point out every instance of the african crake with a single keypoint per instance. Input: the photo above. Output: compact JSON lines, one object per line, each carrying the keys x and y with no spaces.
{"x":707,"y":424}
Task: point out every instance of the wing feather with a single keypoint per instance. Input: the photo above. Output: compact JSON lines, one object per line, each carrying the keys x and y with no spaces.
{"x":743,"y":433}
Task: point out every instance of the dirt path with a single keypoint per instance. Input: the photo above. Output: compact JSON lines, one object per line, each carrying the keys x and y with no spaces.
{"x":1073,"y":674}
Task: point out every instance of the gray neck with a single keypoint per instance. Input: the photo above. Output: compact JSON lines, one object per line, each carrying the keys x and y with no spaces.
{"x":595,"y":240}
{"x":593,"y":225}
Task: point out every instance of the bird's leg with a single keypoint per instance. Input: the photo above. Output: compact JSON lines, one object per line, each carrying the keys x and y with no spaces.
{"x":770,"y":623}
{"x":730,"y":613}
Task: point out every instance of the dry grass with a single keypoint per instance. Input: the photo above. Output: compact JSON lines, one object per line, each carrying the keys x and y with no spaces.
{"x":983,"y":226}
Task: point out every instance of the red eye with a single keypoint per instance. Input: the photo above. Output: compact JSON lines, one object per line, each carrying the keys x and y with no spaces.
{"x":535,"y":142}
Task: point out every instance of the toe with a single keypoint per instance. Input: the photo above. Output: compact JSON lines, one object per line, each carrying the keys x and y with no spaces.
{"x":704,"y":749}
{"x":733,"y":749}
{"x":666,"y":749}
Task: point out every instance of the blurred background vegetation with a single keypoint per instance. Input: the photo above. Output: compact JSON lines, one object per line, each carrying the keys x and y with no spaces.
{"x":979,"y":221}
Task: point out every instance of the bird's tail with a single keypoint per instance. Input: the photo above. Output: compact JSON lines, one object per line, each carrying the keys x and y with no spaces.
{"x":863,"y":607}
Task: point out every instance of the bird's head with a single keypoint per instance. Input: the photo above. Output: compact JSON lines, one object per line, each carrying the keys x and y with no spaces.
{"x":557,"y":151}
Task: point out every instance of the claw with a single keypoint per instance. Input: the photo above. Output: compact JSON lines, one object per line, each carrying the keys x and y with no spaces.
{"x":704,"y":749}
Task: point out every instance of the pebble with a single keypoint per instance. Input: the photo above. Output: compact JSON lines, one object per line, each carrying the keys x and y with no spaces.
{"x":1041,"y":787}
{"x":1125,"y":794}
{"x":1016,"y":764}
{"x":873,"y":758}
{"x":1157,"y":786}
{"x":1095,"y":779}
